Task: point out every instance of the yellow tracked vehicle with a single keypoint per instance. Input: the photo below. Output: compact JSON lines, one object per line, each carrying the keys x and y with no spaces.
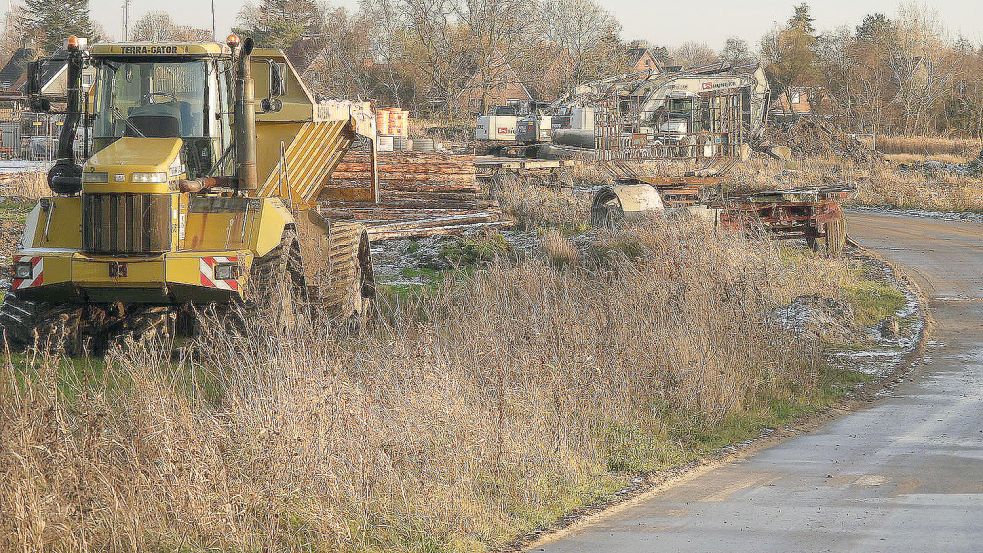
{"x":193,"y":193}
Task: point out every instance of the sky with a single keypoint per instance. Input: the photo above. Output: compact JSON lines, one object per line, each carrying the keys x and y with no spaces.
{"x":659,"y":22}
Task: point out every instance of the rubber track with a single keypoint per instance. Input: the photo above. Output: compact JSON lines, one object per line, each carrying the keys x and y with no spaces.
{"x":24,"y":321}
{"x":343,"y":294}
{"x":267,"y":272}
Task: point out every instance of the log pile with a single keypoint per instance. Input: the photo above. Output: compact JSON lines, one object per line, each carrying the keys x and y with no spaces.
{"x":421,"y":194}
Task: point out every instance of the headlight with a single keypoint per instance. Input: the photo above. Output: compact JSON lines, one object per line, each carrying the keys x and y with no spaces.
{"x":96,"y":178}
{"x":23,"y":269}
{"x":149,"y":177}
{"x":226,"y":271}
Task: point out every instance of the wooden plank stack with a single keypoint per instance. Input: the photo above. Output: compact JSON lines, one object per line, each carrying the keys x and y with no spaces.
{"x":421,"y":194}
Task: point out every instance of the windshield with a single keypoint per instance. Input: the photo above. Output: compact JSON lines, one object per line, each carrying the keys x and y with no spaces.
{"x":152,"y":99}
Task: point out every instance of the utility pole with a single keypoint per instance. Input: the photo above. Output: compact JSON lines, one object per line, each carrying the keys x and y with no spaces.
{"x":213,"y":20}
{"x":126,"y":20}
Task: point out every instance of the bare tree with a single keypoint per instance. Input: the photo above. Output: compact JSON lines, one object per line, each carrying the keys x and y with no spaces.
{"x":157,"y":26}
{"x":496,"y":31}
{"x":737,"y":52}
{"x":921,"y":63}
{"x":336,"y":59}
{"x":387,"y":46}
{"x":585,"y":36}
{"x":834,"y":69}
{"x":693,"y":54}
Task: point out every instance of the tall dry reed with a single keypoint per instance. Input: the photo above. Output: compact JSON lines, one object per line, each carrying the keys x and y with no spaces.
{"x":929,"y":145}
{"x":467,"y":416}
{"x":29,"y":185}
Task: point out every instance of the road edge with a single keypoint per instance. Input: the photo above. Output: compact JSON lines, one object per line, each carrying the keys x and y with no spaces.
{"x":646,"y":486}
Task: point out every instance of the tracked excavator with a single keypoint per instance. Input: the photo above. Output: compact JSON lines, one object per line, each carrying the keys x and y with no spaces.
{"x":193,"y":193}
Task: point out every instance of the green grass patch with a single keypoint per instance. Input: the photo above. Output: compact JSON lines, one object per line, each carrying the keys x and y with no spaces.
{"x":70,"y":375}
{"x":426,"y":274}
{"x":15,"y":210}
{"x":474,"y":251}
{"x":73,"y":376}
{"x":872,"y":301}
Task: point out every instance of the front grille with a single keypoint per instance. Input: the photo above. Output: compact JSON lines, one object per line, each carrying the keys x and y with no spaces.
{"x":126,"y":223}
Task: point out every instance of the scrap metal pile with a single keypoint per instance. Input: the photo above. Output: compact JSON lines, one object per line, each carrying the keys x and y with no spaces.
{"x":421,"y":194}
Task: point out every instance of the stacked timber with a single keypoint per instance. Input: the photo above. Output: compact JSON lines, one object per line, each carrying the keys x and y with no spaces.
{"x":421,"y":194}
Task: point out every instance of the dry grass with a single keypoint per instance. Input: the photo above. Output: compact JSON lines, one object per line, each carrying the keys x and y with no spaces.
{"x":558,"y":249}
{"x":931,"y":146}
{"x":532,"y":206}
{"x":898,"y":159}
{"x":30,"y":185}
{"x":471,"y":414}
{"x":914,"y":190}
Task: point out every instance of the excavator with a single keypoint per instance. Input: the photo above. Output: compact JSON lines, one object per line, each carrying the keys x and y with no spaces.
{"x":192,"y":193}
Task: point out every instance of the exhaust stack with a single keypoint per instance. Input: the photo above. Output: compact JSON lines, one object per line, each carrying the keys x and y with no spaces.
{"x":66,"y":175}
{"x":245,"y":120}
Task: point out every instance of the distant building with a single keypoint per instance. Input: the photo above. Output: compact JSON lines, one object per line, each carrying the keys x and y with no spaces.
{"x":504,"y":87}
{"x":805,"y":101}
{"x":13,"y":76}
{"x":53,"y":79}
{"x":640,"y":58}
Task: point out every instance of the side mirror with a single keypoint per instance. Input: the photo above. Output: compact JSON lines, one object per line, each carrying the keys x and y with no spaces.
{"x":33,"y":84}
{"x":32,"y":88}
{"x":278,"y":83}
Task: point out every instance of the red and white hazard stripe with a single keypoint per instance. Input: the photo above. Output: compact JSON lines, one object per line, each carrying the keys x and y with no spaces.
{"x":206,"y":266}
{"x":37,"y":273}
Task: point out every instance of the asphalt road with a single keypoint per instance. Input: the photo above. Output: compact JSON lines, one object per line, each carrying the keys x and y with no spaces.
{"x":905,"y":474}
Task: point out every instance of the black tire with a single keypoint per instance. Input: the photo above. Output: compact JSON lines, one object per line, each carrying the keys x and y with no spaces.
{"x":836,"y":237}
{"x":833,"y":240}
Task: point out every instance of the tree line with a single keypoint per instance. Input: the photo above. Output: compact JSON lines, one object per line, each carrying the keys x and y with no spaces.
{"x":900,"y":74}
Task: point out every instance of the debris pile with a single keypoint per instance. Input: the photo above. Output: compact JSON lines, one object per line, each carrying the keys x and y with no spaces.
{"x":421,"y":194}
{"x":812,"y":137}
{"x":972,"y":168}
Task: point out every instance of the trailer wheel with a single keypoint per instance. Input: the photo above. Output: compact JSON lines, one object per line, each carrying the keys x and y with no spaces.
{"x":836,"y":236}
{"x":834,"y":239}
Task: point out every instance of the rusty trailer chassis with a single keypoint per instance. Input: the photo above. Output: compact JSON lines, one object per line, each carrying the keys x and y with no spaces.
{"x":811,"y":214}
{"x":794,"y":214}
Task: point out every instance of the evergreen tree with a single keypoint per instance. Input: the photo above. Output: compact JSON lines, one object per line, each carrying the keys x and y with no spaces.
{"x":280,"y":23}
{"x":802,"y":19}
{"x":875,"y":27}
{"x":49,"y":22}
